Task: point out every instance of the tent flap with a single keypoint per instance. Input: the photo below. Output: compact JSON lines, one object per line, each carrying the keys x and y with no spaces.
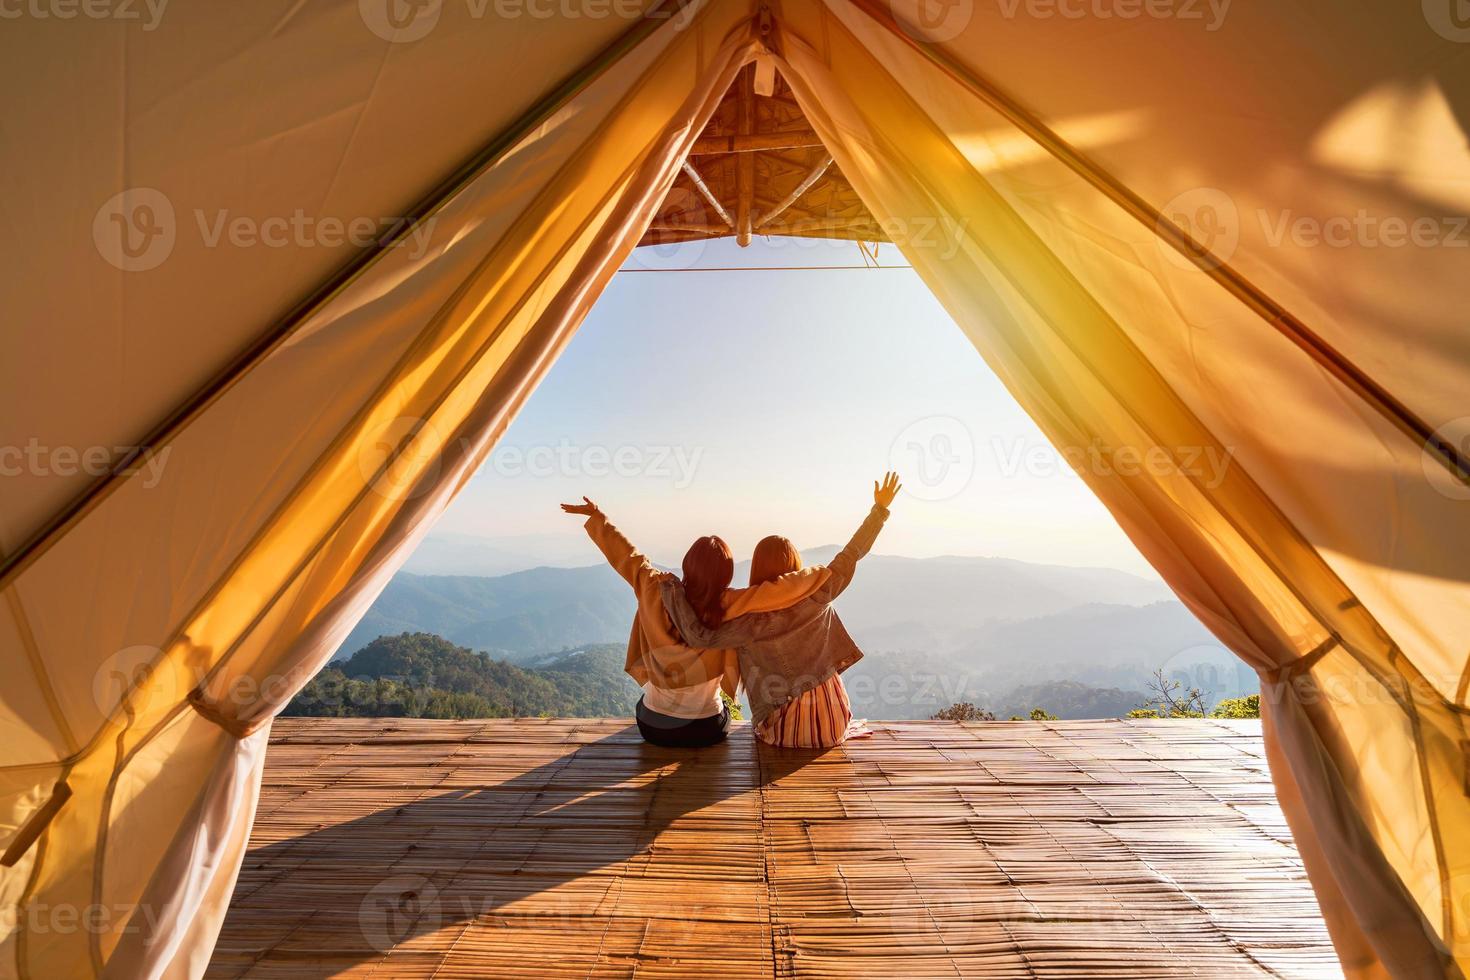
{"x":1301,"y":509}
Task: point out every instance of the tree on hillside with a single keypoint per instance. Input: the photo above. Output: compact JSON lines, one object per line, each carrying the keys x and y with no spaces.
{"x":964,"y":711}
{"x":421,"y":675}
{"x":1170,"y":699}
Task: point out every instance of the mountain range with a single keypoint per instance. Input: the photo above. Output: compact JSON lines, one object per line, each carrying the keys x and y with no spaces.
{"x":935,"y":630}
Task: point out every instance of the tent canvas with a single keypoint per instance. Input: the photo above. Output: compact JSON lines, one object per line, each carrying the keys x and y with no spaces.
{"x":1111,"y":208}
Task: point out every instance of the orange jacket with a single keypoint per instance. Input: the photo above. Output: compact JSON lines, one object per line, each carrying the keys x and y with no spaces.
{"x":656,"y":655}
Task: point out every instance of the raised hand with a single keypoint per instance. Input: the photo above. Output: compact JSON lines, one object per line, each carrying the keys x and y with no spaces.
{"x":884,"y":495}
{"x":587,"y":508}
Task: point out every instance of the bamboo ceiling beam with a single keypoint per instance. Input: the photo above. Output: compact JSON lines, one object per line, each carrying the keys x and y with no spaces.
{"x":707,"y":194}
{"x":745,"y":162}
{"x":286,"y":326}
{"x":813,"y":175}
{"x":691,"y":228}
{"x":857,"y":227}
{"x":1354,"y":378}
{"x":754,"y":142}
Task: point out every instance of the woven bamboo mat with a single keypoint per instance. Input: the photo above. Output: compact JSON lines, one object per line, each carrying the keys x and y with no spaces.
{"x":568,"y":848}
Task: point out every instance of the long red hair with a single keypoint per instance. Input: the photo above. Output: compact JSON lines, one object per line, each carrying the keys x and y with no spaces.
{"x":774,"y":557}
{"x":708,"y":568}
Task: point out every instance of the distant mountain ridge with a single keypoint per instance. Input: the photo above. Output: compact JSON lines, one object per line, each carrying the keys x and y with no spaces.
{"x":538,"y":610}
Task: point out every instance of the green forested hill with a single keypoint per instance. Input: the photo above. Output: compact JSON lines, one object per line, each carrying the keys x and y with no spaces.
{"x":421,"y":675}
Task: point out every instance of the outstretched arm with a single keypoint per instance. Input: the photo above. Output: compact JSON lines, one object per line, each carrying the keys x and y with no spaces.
{"x":845,"y":564}
{"x":625,"y":559}
{"x":731,"y":633}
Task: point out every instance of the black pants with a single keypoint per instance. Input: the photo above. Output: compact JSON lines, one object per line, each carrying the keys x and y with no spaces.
{"x":681,"y":733}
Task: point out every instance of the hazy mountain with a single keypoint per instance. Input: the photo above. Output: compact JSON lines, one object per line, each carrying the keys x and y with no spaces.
{"x":513,"y":616}
{"x":468,"y":554}
{"x":931,"y":604}
{"x":1081,"y":642}
{"x":420,"y":675}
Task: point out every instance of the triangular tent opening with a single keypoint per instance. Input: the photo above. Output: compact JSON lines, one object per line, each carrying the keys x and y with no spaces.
{"x":283,"y":412}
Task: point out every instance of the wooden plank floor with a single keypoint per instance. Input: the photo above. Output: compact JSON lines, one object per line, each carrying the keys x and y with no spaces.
{"x":568,"y":848}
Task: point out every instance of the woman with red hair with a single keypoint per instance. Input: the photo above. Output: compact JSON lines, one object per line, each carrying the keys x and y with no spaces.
{"x":681,"y":703}
{"x":791,"y":659}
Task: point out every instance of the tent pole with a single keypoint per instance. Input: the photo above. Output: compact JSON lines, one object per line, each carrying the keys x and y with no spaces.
{"x":1337,"y":363}
{"x":282,"y":330}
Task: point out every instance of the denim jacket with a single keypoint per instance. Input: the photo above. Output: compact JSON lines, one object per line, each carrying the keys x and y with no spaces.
{"x":785,"y":653}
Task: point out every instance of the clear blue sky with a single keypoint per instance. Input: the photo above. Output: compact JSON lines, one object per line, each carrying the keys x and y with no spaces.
{"x":749,"y":403}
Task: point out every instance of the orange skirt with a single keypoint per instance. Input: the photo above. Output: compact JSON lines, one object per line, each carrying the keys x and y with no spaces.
{"x":817,"y":719}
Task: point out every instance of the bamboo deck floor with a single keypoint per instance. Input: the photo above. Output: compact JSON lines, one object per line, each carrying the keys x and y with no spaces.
{"x":568,"y":848}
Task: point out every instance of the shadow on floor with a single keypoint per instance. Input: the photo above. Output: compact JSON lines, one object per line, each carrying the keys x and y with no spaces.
{"x":540,"y":851}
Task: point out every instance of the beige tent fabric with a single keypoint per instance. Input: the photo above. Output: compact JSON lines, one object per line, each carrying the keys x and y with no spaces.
{"x":211,"y":596}
{"x":1323,"y":549}
{"x":1323,"y":538}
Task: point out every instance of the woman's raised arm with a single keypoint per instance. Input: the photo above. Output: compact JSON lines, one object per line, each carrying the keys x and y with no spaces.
{"x":625,"y":559}
{"x":845,"y":564}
